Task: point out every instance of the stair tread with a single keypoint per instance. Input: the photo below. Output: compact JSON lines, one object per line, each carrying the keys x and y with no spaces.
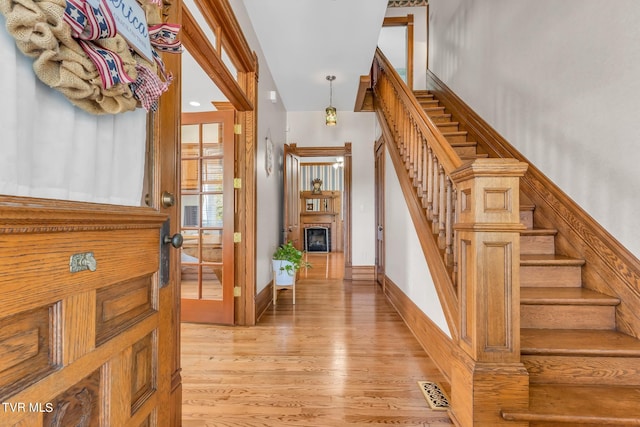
{"x":539,"y":232}
{"x":549,"y":259}
{"x":463,"y":144}
{"x":455,"y":133}
{"x":527,"y":206}
{"x":574,"y":404}
{"x":578,"y":342}
{"x":565,"y":296}
{"x":447,"y":124}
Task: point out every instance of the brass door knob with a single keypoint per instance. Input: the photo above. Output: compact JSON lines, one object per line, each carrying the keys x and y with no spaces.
{"x":167,"y":199}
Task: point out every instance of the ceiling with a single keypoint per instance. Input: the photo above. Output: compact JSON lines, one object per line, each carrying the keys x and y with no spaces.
{"x":303,"y":41}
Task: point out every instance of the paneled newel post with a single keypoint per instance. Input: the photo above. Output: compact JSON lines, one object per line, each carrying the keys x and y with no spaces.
{"x":487,"y":374}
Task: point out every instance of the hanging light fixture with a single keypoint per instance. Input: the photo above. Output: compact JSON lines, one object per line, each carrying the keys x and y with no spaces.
{"x":331,"y":113}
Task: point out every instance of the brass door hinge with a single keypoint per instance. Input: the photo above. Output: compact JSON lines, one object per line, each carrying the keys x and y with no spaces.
{"x":237,"y":291}
{"x":237,"y":237}
{"x":237,"y":182}
{"x":237,"y":129}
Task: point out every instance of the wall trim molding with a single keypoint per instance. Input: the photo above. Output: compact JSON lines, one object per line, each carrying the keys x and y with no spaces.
{"x":363,"y":272}
{"x":263,"y":300}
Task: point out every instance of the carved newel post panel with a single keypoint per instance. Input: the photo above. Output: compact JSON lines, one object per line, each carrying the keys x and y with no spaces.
{"x":487,"y":374}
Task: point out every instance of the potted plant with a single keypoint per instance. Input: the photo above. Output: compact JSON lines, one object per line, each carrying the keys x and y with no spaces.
{"x":287,"y":260}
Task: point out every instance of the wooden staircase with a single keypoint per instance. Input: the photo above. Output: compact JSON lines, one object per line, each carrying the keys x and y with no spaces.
{"x":582,"y":371}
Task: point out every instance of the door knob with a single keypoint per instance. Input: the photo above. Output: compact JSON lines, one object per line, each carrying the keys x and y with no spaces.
{"x":167,"y":199}
{"x":175,"y":240}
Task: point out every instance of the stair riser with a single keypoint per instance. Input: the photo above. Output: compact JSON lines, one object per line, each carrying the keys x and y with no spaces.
{"x":434,"y":111}
{"x":526,"y":218}
{"x":560,"y":276}
{"x":428,"y":103}
{"x":440,"y":118}
{"x":584,"y":370}
{"x":537,"y":245}
{"x":466,"y":150}
{"x":448,"y":127}
{"x":457,"y":138}
{"x":567,"y":317}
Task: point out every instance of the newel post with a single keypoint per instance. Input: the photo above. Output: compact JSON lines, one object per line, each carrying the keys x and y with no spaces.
{"x":487,"y":374}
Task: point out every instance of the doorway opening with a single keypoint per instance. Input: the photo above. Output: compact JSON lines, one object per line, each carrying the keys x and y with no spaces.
{"x":328,"y":206}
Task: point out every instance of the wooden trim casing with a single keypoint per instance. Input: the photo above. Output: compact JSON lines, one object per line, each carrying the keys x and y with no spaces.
{"x":211,"y":62}
{"x":610,"y":268}
{"x":404,"y":21}
{"x":345,"y":152}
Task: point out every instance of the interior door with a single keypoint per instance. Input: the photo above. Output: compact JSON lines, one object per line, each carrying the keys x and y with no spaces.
{"x":379,"y":202}
{"x":292,"y":197}
{"x":207,"y":207}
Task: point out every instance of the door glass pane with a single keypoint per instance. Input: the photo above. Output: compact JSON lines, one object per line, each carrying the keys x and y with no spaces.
{"x":212,"y":175}
{"x":212,"y":264}
{"x":212,"y":209}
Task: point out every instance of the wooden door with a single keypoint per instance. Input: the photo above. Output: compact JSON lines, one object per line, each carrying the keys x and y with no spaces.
{"x":207,"y":206}
{"x":379,"y":203}
{"x":292,"y":197}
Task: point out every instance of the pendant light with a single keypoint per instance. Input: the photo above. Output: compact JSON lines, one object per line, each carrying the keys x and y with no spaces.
{"x":331,"y":113}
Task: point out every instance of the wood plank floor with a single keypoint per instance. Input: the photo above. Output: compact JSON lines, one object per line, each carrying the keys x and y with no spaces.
{"x":340,"y":357}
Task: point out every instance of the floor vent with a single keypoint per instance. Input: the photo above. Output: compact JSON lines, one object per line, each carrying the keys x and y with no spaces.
{"x":435,"y":397}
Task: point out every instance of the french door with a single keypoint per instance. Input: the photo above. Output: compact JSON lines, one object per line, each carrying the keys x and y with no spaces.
{"x":207,"y":225}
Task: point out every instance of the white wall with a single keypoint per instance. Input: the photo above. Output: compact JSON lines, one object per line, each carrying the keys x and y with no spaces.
{"x":419,"y":41}
{"x":308,"y":129}
{"x":405,"y":263}
{"x":271,"y":123}
{"x":559,"y":80}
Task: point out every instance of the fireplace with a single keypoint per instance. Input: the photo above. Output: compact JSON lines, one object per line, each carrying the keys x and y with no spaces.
{"x":317,"y":239}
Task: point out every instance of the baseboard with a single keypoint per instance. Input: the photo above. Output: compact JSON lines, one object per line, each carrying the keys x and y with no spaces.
{"x":610,"y":268}
{"x":434,"y":342}
{"x":363,"y":272}
{"x":263,"y":300}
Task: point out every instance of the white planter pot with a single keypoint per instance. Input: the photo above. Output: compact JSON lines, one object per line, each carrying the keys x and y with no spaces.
{"x":283,"y":277}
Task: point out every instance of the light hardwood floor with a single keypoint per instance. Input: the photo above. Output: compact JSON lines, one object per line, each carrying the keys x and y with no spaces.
{"x":340,"y":357}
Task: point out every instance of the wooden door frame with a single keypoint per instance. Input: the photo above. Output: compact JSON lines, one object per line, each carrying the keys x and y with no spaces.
{"x":405,"y":21}
{"x":379,"y":206}
{"x":241,"y":92}
{"x":344,"y":151}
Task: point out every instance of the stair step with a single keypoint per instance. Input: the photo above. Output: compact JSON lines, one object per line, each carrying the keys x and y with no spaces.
{"x":466,"y":148}
{"x":440,"y":118}
{"x":428,"y":103}
{"x":448,"y":126}
{"x":549,"y":270}
{"x":581,"y":405}
{"x":423,"y":94}
{"x":474,"y":156}
{"x":526,"y":213}
{"x":580,"y":356}
{"x":437,"y":111}
{"x":566,"y":308}
{"x":456,"y":137}
{"x":578,"y":342}
{"x":538,"y":241}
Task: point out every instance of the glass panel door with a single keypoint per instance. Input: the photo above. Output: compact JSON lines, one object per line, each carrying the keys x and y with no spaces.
{"x":207,"y":217}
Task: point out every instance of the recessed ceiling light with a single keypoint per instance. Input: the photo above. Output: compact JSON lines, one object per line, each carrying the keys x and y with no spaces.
{"x":194,"y":103}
